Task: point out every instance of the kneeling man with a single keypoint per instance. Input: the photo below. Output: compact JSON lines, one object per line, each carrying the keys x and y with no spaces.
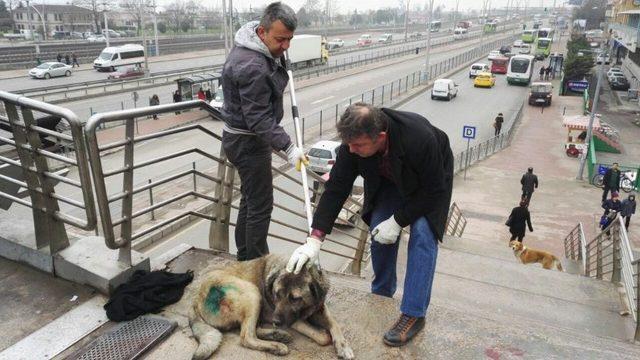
{"x":407,"y":166}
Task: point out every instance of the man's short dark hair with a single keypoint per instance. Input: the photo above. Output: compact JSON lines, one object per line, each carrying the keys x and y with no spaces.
{"x":362,"y":119}
{"x":279,"y":11}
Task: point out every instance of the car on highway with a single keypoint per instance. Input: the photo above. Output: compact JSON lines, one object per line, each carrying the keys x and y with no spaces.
{"x":335,"y":43}
{"x":620,"y":83}
{"x":322,"y":156}
{"x":218,"y":99}
{"x":415,"y":35}
{"x":127,"y":72}
{"x":112,"y":33}
{"x":364,"y":40}
{"x":603,"y":58}
{"x":478,"y":68}
{"x":444,"y":89}
{"x":96,"y":39}
{"x":50,"y":69}
{"x":485,"y":79}
{"x":494,"y":54}
{"x":505,"y":49}
{"x":385,"y":38}
{"x":540,"y":93}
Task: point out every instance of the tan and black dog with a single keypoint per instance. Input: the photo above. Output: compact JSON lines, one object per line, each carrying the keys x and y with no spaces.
{"x":261,"y":298}
{"x":529,"y":256}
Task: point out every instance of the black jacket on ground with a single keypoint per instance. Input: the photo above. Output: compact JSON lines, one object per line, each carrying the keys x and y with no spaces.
{"x":421,"y":165}
{"x":612,"y":179}
{"x":529,"y":181}
{"x":520,"y":217}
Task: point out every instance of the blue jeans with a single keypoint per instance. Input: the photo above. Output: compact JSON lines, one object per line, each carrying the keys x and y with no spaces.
{"x":421,"y":263}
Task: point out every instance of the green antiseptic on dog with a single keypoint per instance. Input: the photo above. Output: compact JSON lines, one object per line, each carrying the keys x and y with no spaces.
{"x":216,"y":298}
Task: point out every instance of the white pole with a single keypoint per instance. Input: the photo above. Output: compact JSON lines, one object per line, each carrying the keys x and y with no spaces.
{"x":594,"y":107}
{"x":428,"y":54}
{"x":225,"y":28}
{"x":155,"y":28}
{"x":406,"y":21}
{"x":106,"y":23}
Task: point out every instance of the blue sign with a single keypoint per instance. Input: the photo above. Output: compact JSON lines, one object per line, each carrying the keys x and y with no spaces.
{"x":578,"y":85}
{"x":469,"y":132}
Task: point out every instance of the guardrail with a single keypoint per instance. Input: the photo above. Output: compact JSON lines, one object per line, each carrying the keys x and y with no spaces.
{"x":45,"y":186}
{"x":456,"y":222}
{"x":575,"y":246}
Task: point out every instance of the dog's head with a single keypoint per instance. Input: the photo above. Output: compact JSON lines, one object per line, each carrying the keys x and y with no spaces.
{"x":516,"y":245}
{"x":295,"y":296}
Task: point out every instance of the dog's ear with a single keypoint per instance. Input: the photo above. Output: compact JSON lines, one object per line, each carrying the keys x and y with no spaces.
{"x":271,"y":279}
{"x":319,"y":286}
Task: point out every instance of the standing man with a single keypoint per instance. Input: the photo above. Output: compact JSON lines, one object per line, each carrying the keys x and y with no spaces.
{"x":519,"y":219}
{"x":529,"y":182}
{"x":628,"y":209}
{"x":611,"y":181}
{"x":253,"y":82}
{"x":407,"y":166}
{"x":74,"y":59}
{"x":497,"y":124}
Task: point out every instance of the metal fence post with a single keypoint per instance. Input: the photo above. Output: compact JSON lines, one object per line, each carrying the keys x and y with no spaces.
{"x":153,"y":213}
{"x":637,"y":335}
{"x":320,"y":122}
{"x":126,"y":228}
{"x":193,"y":166}
{"x":383,"y":95}
{"x":617,"y":266}
{"x":373,"y":97}
{"x":219,"y":229}
{"x":391,"y":92}
{"x":599,"y":259}
{"x":356,"y":264}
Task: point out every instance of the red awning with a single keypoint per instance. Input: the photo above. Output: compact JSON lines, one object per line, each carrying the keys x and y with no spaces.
{"x":580,"y":122}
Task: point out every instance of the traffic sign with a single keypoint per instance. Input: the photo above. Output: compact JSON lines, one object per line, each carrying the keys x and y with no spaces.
{"x":469,"y":132}
{"x":578,"y":85}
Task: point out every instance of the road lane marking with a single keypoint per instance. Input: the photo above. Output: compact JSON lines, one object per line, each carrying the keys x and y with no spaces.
{"x":323,"y":99}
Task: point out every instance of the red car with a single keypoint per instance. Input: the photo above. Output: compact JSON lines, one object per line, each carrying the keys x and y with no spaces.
{"x":499,"y":65}
{"x":127,"y":72}
{"x":364,"y":40}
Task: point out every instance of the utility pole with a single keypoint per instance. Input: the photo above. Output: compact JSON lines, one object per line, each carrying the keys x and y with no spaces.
{"x":428,"y":55}
{"x":594,"y":107}
{"x":231,"y":32}
{"x":406,"y":20}
{"x":225,"y":28}
{"x":155,"y":27}
{"x":144,"y":38}
{"x":106,"y":24}
{"x":455,"y":14}
{"x":31,"y":32}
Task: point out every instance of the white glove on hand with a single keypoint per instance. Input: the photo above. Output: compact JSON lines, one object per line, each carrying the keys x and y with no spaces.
{"x":307,"y":252}
{"x":296,"y":157}
{"x":387,"y":232}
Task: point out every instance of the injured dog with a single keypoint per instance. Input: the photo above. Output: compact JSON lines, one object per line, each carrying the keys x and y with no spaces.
{"x":528,"y":256}
{"x":261,"y":292}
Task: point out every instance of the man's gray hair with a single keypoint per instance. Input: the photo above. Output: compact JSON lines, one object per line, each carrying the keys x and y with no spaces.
{"x":279,"y":11}
{"x":362,"y":119}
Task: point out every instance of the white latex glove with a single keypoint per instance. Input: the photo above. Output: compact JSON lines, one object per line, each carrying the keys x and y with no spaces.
{"x":296,"y":157}
{"x":387,"y":232}
{"x":307,"y":252}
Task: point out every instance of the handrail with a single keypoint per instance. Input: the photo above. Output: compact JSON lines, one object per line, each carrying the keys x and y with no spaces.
{"x":456,"y":221}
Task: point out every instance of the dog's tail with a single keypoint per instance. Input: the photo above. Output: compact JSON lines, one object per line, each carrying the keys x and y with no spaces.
{"x":558,"y":264}
{"x":208,"y":337}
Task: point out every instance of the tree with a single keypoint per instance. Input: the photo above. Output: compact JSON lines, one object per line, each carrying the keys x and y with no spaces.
{"x":303,"y":18}
{"x":137,"y":9}
{"x":96,"y":8}
{"x":6,"y":20}
{"x":356,"y":19}
{"x":579,"y":62}
{"x":593,"y":11}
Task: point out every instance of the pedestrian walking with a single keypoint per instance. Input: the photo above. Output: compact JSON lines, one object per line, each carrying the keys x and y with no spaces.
{"x":611,"y":181}
{"x":547,"y":73}
{"x":202,"y":95}
{"x":518,"y":221}
{"x":59,"y":57}
{"x":207,"y":95}
{"x":407,"y":166}
{"x":66,"y":59}
{"x":611,"y":208}
{"x":542,"y":69}
{"x":154,"y":101}
{"x":254,"y":78}
{"x":177,"y":98}
{"x":628,"y":209}
{"x":74,"y":58}
{"x":529,"y":182}
{"x":497,"y":124}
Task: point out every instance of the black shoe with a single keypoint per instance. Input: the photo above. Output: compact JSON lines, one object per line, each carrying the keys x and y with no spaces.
{"x":404,"y":329}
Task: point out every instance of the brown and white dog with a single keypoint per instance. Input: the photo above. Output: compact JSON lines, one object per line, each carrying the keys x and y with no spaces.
{"x":529,"y":256}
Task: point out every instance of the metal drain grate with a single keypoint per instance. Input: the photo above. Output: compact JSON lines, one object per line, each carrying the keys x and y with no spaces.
{"x":127,"y":341}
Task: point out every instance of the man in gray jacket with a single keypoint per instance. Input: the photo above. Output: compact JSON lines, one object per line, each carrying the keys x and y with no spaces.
{"x":253,"y":80}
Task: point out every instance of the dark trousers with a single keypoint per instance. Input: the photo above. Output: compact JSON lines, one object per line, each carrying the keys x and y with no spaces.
{"x":252,"y":159}
{"x":518,"y":235}
{"x":526,"y":195}
{"x":75,"y":63}
{"x":497,"y":132}
{"x":627,"y":219}
{"x":606,"y":190}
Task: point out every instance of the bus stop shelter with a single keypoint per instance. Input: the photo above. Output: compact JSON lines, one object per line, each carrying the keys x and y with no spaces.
{"x":189,"y":86}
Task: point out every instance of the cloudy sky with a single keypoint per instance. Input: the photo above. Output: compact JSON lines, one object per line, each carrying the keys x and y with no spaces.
{"x":350,"y":5}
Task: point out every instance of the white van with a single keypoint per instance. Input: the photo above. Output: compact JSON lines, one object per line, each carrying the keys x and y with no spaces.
{"x":444,"y":89}
{"x":478,"y":68}
{"x":114,"y":56}
{"x":460,"y":33}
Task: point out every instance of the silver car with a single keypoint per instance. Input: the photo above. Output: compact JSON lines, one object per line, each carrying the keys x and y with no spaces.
{"x":322,"y":156}
{"x":50,"y":69}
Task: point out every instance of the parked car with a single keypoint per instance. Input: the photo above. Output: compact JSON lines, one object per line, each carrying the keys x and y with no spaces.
{"x":87,"y":34}
{"x":335,"y":43}
{"x":485,"y":79}
{"x":603,"y":58}
{"x":540,"y":93}
{"x":76,"y":35}
{"x":364,"y":40}
{"x":415,"y":35}
{"x":620,"y":83}
{"x":505,"y":49}
{"x":615,"y":76}
{"x":96,"y":39}
{"x":127,"y":72}
{"x":322,"y":156}
{"x":385,"y":38}
{"x":112,"y":33}
{"x":50,"y":69}
{"x":478,"y":68}
{"x":612,"y":72}
{"x":444,"y":89}
{"x":494,"y":54}
{"x":130,"y":33}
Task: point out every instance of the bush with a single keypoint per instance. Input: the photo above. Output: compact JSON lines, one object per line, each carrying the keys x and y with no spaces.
{"x":162,"y":27}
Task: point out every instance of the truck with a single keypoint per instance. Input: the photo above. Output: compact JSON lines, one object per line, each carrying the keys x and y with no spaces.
{"x":307,"y":51}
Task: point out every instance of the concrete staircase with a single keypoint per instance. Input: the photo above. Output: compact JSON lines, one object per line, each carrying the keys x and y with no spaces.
{"x":484,"y":305}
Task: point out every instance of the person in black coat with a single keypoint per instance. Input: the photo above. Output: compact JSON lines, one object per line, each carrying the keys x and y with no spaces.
{"x":611,"y":181}
{"x":177,"y":98}
{"x":529,"y":182}
{"x":518,"y":220}
{"x":611,"y":208}
{"x":628,"y":209}
{"x":407,"y":166}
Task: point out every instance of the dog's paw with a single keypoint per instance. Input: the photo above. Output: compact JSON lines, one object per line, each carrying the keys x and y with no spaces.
{"x":343,"y":349}
{"x":279,"y":349}
{"x":281,"y":336}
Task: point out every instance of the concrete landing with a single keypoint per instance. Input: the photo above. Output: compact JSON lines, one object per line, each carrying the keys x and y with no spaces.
{"x":454,"y":330}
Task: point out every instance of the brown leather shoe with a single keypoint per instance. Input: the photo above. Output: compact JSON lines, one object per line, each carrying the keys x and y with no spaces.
{"x":404,"y":329}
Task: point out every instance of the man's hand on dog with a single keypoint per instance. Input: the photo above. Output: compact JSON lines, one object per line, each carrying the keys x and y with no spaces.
{"x":310,"y":251}
{"x":387,"y":232}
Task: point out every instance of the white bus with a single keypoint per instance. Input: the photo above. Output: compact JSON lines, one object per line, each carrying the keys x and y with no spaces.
{"x":520,"y":69}
{"x":112,"y":57}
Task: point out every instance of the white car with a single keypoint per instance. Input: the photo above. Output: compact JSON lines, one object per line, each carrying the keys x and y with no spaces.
{"x":494,"y":54}
{"x":96,"y":39}
{"x":478,"y":68}
{"x":444,"y":89}
{"x":322,"y":156}
{"x":603,"y":58}
{"x":614,"y":72}
{"x":335,"y":43}
{"x":50,"y":69}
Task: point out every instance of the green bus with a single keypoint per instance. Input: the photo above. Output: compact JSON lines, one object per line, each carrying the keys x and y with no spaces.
{"x":529,"y":36}
{"x":543,"y":48}
{"x":489,"y":27}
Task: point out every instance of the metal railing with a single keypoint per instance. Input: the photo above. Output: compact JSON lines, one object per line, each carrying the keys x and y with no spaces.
{"x":456,"y":222}
{"x":46,"y":187}
{"x":575,"y":246}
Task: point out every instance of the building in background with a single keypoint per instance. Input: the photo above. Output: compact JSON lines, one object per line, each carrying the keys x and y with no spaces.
{"x":56,"y":18}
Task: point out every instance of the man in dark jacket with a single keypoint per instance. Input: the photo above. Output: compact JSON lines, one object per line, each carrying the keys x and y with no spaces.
{"x":407,"y":166}
{"x":612,"y":207}
{"x":253,"y":82}
{"x":529,"y":182}
{"x":628,"y":209}
{"x":518,"y":220}
{"x":611,"y":181}
{"x":497,"y":125}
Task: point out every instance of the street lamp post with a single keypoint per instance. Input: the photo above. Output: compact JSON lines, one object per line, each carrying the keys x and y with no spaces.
{"x":106,"y":23}
{"x":144,"y":38}
{"x":428,"y":51}
{"x":225,"y":28}
{"x":155,"y":27}
{"x":406,"y":20}
{"x":592,"y":116}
